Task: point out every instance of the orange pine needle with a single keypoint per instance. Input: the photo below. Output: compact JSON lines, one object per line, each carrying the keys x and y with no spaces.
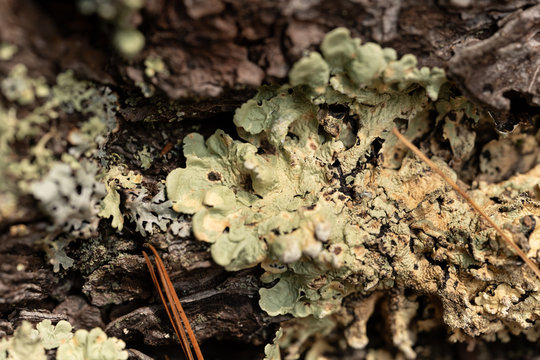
{"x":467,"y":198}
{"x":176,"y":313}
{"x":166,"y":149}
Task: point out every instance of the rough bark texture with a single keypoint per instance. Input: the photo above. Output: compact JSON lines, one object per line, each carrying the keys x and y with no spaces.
{"x":217,"y":52}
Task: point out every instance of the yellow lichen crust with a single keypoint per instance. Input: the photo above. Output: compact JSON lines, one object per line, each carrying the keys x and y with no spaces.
{"x":322,"y":195}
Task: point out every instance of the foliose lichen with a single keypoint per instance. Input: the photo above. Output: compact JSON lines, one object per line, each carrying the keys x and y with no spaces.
{"x":274,"y":198}
{"x":71,"y":196}
{"x":24,"y":344}
{"x":116,"y":179}
{"x":52,"y":336}
{"x":29,"y":343}
{"x":147,"y":212}
{"x":92,"y":345}
{"x":323,"y":197}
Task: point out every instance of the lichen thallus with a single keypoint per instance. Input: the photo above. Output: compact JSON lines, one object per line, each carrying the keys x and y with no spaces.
{"x":511,"y":244}
{"x":178,"y":317}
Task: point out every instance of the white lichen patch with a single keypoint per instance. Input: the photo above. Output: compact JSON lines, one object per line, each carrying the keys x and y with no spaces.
{"x":324,"y":197}
{"x":71,"y":197}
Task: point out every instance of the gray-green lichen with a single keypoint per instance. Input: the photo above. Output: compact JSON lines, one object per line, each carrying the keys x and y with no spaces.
{"x":18,"y":86}
{"x":149,"y":213}
{"x":300,"y":195}
{"x":52,"y":336}
{"x":67,"y":186}
{"x":71,"y":197}
{"x":29,"y":343}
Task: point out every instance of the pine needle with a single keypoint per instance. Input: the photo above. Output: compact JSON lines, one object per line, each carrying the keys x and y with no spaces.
{"x":173,"y":307}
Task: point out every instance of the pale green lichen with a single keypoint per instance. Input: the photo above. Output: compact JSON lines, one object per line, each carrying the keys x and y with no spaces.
{"x":110,"y":207}
{"x":92,"y":345}
{"x":30,"y":344}
{"x":145,"y":158}
{"x":271,"y":351}
{"x":23,"y":345}
{"x":52,"y":336}
{"x":154,"y":65}
{"x":7,"y":51}
{"x":18,"y":86}
{"x":293,"y":337}
{"x":114,"y":181}
{"x":128,"y":40}
{"x":245,"y":210}
{"x":300,"y":195}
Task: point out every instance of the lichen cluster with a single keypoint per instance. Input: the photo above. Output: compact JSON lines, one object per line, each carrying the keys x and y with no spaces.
{"x":30,"y":343}
{"x":53,"y":154}
{"x":65,"y":184}
{"x":313,"y":188}
{"x":321,"y":195}
{"x":66,"y":168}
